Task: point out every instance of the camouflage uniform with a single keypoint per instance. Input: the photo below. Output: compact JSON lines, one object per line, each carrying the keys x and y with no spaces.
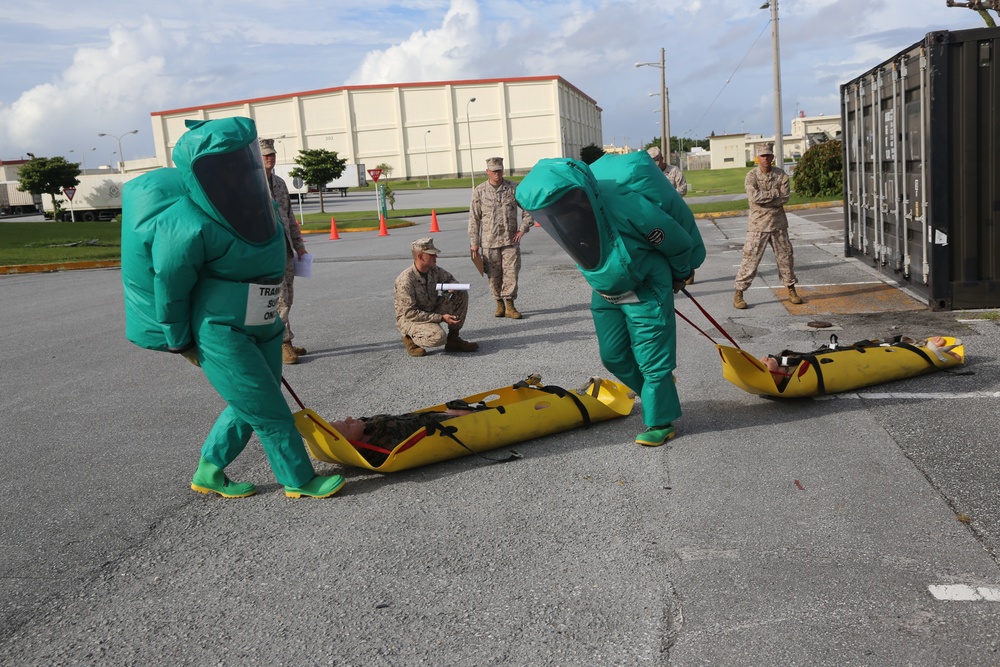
{"x":768,"y":224}
{"x":293,"y":243}
{"x":390,"y":430}
{"x":673,"y":174}
{"x":419,"y":307}
{"x":676,"y":178}
{"x":492,"y":225}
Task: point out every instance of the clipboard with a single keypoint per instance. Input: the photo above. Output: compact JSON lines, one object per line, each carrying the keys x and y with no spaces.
{"x":478,"y":261}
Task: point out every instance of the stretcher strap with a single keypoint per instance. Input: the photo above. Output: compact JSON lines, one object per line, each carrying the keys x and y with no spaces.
{"x":811,"y":359}
{"x":449,"y":432}
{"x":709,"y":318}
{"x":915,"y":350}
{"x":562,"y":393}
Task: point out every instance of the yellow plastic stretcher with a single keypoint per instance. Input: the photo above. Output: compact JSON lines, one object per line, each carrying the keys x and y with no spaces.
{"x":513,"y":414}
{"x":840,"y":368}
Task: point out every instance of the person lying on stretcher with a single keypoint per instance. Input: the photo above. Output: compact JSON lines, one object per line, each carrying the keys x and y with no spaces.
{"x":387,"y":431}
{"x":779,"y":365}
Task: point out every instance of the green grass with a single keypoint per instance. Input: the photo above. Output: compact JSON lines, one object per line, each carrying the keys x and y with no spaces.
{"x":52,"y":242}
{"x":704,"y":182}
{"x":351,"y":220}
{"x":744,"y":205}
{"x":59,"y":242}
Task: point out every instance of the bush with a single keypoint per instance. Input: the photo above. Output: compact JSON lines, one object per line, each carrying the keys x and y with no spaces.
{"x":591,"y":153}
{"x":820,"y":172}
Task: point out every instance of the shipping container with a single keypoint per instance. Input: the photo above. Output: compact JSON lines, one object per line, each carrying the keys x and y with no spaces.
{"x":16,"y":202}
{"x":921,"y":174}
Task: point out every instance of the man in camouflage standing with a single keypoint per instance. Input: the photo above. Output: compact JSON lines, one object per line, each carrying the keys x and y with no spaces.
{"x":495,"y":236}
{"x":421,"y":308}
{"x":767,"y":191}
{"x":673,"y":173}
{"x":293,"y":246}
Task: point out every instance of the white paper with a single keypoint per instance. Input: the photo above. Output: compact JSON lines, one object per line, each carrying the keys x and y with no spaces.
{"x":304,"y":266}
{"x":453,"y":287}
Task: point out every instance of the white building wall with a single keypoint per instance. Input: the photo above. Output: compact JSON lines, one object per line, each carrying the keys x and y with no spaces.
{"x":416,"y":128}
{"x":728,"y":151}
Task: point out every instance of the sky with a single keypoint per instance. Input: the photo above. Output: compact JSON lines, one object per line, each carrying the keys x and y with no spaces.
{"x":73,"y":70}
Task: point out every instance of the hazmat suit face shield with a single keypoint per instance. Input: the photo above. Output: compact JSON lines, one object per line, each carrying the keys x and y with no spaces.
{"x":571,"y":221}
{"x":236,"y":185}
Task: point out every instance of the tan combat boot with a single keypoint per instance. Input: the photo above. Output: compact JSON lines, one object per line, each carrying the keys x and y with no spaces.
{"x":501,"y":309}
{"x":793,"y":296}
{"x":456,"y":344}
{"x":738,"y":301}
{"x":300,"y":350}
{"x":512,"y":312}
{"x":288,"y":355}
{"x":412,"y":348}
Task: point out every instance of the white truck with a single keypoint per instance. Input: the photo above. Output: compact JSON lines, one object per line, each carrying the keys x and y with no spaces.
{"x":15,"y":202}
{"x":97,"y":197}
{"x":354,"y":176}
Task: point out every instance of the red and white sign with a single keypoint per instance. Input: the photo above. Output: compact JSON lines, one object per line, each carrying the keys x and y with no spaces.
{"x":375,"y":174}
{"x":69,"y":192}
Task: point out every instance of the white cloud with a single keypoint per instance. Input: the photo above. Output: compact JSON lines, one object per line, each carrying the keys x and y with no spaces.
{"x":439,"y":54}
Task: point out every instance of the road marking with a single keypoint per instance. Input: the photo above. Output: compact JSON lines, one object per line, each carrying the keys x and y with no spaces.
{"x":963,"y":593}
{"x":909,"y":396}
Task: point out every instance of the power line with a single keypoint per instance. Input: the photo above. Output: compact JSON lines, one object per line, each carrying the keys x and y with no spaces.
{"x":740,"y":64}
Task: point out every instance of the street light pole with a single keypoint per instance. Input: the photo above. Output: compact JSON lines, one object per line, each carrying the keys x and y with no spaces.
{"x":468,"y":127}
{"x":427,"y":169}
{"x":121,"y":156}
{"x":664,"y":105}
{"x":83,"y":156}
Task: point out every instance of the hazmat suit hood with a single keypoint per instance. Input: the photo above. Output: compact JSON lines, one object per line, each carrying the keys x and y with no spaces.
{"x":221,"y":165}
{"x":563,"y":196}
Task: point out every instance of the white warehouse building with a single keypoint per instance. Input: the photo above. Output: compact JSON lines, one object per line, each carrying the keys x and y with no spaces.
{"x":442,"y":128}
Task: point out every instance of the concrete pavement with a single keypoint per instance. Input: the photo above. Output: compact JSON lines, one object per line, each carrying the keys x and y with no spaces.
{"x":827,"y":532}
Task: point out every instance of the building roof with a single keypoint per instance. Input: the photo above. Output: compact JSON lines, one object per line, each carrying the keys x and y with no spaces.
{"x":417,"y":84}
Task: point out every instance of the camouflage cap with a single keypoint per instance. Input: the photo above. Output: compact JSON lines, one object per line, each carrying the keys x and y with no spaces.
{"x":425,"y":245}
{"x":765,"y":149}
{"x":494,"y":164}
{"x":267,"y":147}
{"x":654,"y":152}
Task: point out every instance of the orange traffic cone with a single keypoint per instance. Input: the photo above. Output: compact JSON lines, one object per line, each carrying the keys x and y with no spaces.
{"x":382,"y":231}
{"x":333,"y":229}
{"x":434,"y":222}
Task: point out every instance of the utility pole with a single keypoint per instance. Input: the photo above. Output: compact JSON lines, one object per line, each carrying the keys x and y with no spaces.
{"x":779,"y":151}
{"x":664,"y":105}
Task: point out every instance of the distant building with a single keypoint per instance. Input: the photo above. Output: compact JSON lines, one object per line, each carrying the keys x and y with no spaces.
{"x":807,"y":131}
{"x":417,"y":128}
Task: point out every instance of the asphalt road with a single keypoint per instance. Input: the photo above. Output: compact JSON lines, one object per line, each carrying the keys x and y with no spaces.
{"x":768,"y":532}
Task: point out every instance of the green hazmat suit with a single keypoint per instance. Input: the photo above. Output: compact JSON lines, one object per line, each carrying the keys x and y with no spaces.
{"x":634,"y":239}
{"x":202,"y":261}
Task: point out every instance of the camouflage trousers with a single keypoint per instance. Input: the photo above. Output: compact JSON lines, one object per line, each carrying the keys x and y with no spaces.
{"x":287,"y":295}
{"x":753,"y":251}
{"x":432,"y":334}
{"x":501,"y":267}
